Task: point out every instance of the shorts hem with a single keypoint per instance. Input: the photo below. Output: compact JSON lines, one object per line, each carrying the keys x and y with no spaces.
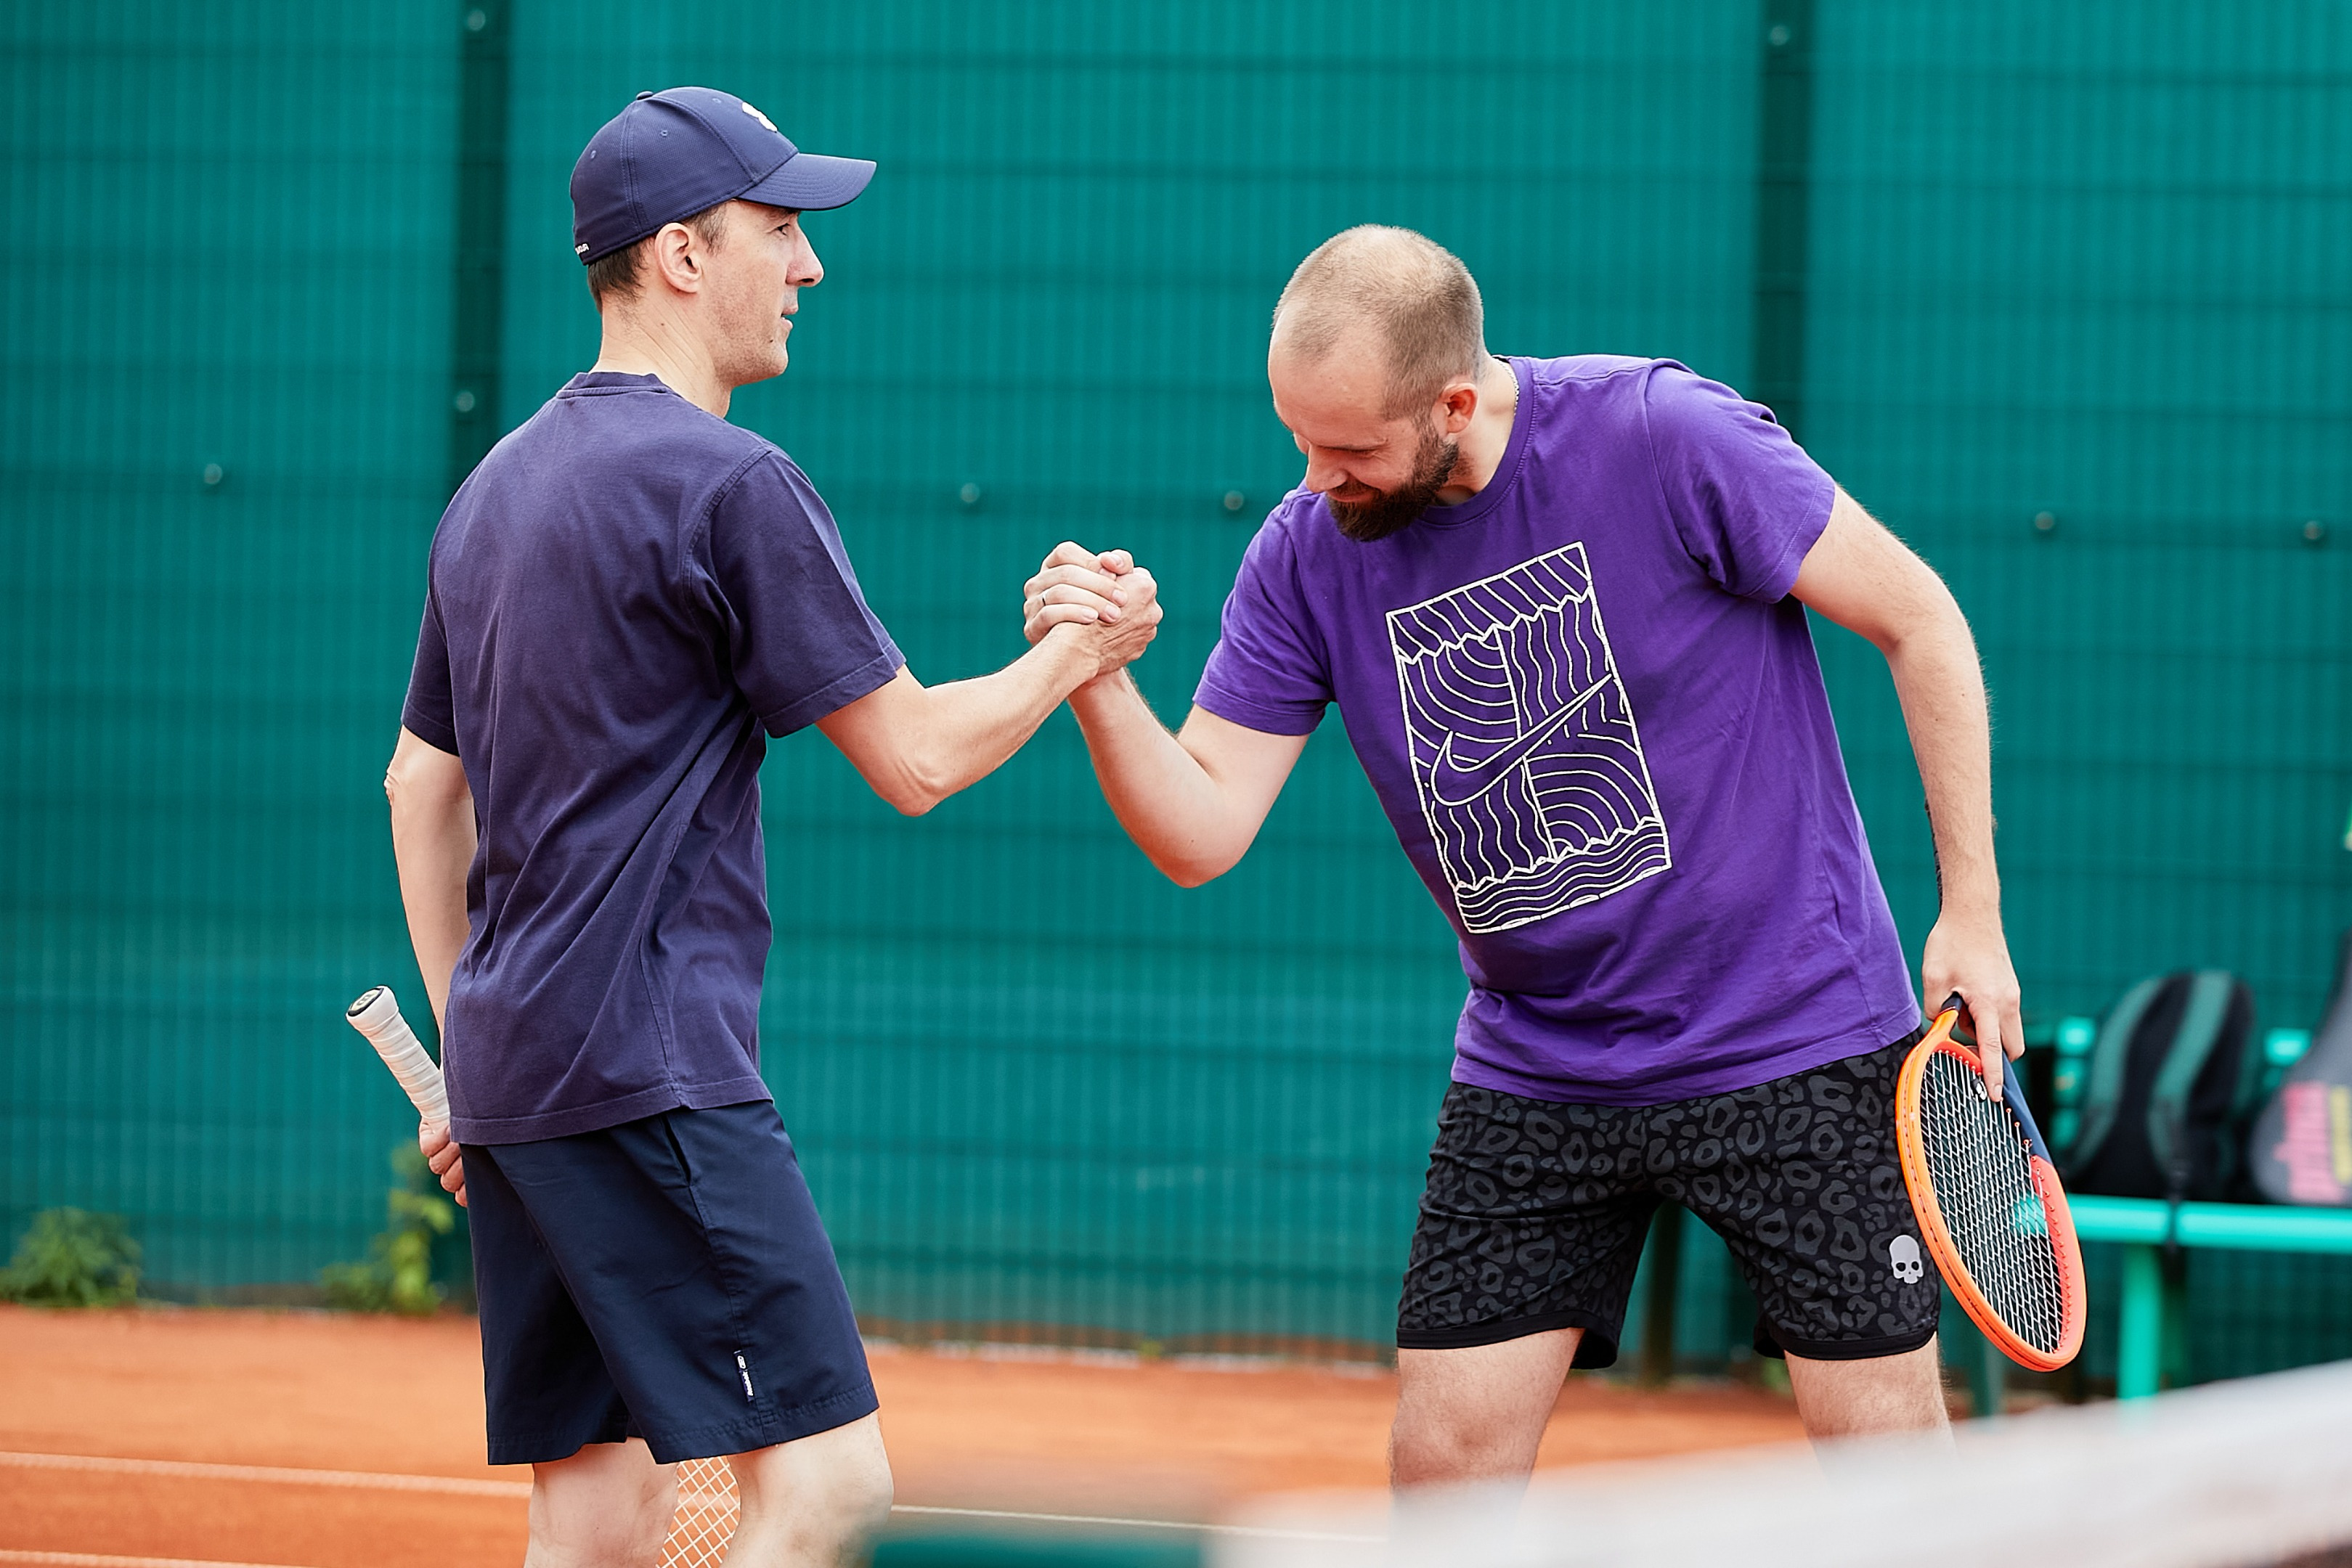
{"x":1783,"y":1345}
{"x":1597,"y":1349}
{"x":547,"y":1447}
{"x":763,"y":1431}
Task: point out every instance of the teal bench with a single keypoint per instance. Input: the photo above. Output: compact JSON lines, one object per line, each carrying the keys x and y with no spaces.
{"x":2145,"y":1225}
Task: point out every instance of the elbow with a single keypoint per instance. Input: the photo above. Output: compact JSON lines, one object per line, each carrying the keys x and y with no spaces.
{"x":1193,"y":870}
{"x":420,"y":783}
{"x":908,"y":802}
{"x":403,"y":791}
{"x":912,"y":790}
{"x":1939,"y":633}
{"x":1192,"y":859}
{"x":1938,"y":620}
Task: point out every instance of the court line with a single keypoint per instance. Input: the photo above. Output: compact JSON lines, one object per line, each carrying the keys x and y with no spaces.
{"x":1262,"y":1533}
{"x":368,"y":1480}
{"x":90,"y":1560}
{"x":455,"y":1487}
{"x":459,"y":1485}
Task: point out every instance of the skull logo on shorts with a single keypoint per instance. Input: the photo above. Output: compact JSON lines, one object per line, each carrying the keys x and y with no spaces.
{"x":1904,"y":1253}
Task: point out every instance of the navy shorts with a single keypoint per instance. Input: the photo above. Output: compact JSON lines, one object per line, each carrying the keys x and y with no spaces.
{"x":667,"y":1279}
{"x":1535,"y":1212}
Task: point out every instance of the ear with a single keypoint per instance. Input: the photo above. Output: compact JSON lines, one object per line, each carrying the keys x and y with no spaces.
{"x":676,"y":254}
{"x":1455,"y":405}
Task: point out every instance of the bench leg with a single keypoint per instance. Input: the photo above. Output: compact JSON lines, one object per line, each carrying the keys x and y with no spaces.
{"x":2139,"y":1347}
{"x":1665,"y":1262}
{"x":1989,"y":1379}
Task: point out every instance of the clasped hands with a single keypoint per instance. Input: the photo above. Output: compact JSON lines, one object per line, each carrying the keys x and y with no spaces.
{"x":1116,"y":600}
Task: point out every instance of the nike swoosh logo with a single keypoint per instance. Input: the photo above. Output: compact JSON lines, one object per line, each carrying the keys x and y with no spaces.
{"x":1456,"y":782}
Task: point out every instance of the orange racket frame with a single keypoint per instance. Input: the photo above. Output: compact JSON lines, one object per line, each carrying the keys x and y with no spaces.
{"x":1921,"y":1181}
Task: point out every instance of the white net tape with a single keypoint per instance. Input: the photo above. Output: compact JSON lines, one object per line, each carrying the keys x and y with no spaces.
{"x":706,"y":1510}
{"x":2229,"y":1476}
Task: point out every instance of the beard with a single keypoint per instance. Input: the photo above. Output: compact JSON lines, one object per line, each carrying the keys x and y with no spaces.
{"x":1392,"y":511}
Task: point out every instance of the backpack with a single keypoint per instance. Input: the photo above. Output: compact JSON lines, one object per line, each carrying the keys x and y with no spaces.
{"x":2169,"y":1091}
{"x":2302,"y":1147}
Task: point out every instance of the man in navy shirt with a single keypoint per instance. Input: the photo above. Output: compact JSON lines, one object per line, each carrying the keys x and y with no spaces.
{"x":626,"y":599}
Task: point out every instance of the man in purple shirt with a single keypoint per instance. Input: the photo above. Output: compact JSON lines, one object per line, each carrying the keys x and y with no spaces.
{"x":627,"y":599}
{"x":1561,"y":606}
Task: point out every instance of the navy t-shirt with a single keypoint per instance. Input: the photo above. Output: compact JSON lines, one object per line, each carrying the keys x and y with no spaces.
{"x":625,"y":595}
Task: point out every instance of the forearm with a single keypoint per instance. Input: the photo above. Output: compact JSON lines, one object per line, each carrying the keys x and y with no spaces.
{"x":961,"y":732}
{"x":433,"y":841}
{"x":1942,"y":690}
{"x":1862,"y":578}
{"x":1179,"y":814}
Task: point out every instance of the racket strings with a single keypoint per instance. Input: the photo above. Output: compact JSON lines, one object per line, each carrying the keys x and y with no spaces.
{"x":1983,"y":1172}
{"x":707,"y":1508}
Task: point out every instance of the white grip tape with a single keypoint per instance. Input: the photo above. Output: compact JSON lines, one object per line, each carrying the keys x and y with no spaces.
{"x":377,"y":1016}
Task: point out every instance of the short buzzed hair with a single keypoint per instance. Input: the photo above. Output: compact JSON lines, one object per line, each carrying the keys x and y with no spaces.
{"x":619,"y":275}
{"x":1414,"y":291}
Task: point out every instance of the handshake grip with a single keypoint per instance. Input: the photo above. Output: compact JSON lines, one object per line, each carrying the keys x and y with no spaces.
{"x":1104,"y":590}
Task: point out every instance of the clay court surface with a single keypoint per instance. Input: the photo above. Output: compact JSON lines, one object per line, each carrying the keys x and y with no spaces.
{"x":387,"y":1397}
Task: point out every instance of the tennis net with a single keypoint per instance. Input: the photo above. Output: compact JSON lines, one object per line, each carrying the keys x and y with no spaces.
{"x":2228,"y":1476}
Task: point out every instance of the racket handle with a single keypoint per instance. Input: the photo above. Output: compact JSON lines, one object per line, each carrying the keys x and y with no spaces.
{"x":377,"y":1016}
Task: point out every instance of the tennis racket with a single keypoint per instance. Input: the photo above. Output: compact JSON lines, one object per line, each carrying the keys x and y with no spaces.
{"x":377,"y":1016}
{"x":1989,"y":1202}
{"x":707,"y":1506}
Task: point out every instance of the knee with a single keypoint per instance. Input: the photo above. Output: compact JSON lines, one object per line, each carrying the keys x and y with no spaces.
{"x":604,"y":1505}
{"x":638,"y":1507}
{"x":1442,"y":1443}
{"x":1432,"y":1446}
{"x":656,"y":1505}
{"x":1901,"y":1392}
{"x":832,"y":1490}
{"x":851,"y":1490}
{"x":1476,"y":1415}
{"x":862,"y":1499}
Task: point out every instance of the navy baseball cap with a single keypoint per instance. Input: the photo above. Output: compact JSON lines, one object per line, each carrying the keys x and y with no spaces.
{"x":672,"y":154}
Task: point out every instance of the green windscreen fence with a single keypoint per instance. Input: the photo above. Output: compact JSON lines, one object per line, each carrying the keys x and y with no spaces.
{"x":2060,"y":292}
{"x":226,"y":328}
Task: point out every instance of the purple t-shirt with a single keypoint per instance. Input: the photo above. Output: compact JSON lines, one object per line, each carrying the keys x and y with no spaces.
{"x":1596,"y":722}
{"x":626,"y":598}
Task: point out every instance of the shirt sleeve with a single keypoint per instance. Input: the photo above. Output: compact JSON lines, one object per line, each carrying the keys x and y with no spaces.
{"x":799,"y":639}
{"x":1744,"y":496}
{"x":1269,"y":671}
{"x":430,"y":711}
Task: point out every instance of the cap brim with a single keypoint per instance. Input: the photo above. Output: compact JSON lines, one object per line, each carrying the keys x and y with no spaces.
{"x":811,"y":182}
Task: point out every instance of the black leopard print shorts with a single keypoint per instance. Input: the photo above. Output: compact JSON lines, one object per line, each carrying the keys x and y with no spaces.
{"x":1535,"y":1211}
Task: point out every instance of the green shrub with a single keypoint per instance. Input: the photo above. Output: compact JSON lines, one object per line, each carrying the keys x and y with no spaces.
{"x":70,"y":1258}
{"x":398,"y":1274}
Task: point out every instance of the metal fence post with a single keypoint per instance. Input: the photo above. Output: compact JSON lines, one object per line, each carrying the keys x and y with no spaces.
{"x":1776,"y":373}
{"x":484,"y":75}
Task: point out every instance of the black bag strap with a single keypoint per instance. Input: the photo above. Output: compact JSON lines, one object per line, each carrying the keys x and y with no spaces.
{"x":2109,"y":1053}
{"x":2209,"y":993}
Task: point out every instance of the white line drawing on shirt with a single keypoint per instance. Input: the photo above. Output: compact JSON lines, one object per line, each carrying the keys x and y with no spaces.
{"x":1522,"y":744}
{"x":1497,"y":766}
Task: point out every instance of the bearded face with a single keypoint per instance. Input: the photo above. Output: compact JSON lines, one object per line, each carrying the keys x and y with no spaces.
{"x":1391,"y":511}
